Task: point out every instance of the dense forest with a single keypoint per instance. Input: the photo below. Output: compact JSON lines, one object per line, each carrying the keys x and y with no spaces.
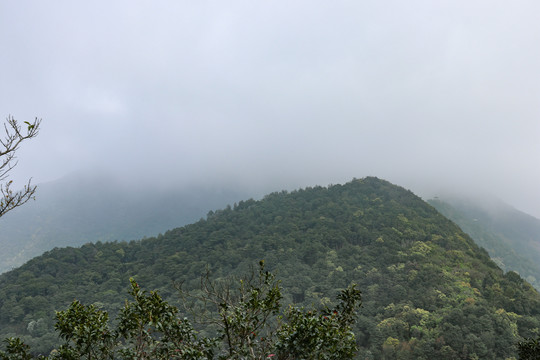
{"x":429,"y":292}
{"x":510,"y":236}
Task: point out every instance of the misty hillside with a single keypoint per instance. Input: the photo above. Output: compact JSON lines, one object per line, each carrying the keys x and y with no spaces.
{"x":511,"y":237}
{"x":429,"y":291}
{"x":85,"y":208}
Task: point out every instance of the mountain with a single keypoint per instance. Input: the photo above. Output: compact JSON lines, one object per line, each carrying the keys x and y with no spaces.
{"x":83,"y":208}
{"x":429,"y":292}
{"x":511,"y":237}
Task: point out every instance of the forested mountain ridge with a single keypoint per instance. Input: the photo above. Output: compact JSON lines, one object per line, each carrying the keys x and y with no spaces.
{"x":511,"y":237}
{"x":429,"y":291}
{"x":84,"y":207}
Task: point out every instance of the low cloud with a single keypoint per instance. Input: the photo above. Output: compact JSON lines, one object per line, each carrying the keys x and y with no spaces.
{"x":279,"y":95}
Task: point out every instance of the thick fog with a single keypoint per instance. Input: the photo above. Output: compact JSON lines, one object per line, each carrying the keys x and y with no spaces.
{"x":274,"y":95}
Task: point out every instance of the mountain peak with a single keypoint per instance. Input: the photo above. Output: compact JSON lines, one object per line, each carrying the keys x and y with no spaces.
{"x":426,"y":285}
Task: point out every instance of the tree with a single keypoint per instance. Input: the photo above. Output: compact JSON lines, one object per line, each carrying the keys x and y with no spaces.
{"x":86,"y":332}
{"x":14,"y":136}
{"x":16,"y":350}
{"x":248,"y":320}
{"x":529,"y":349}
{"x":245,"y":316}
{"x":251,"y":327}
{"x":150,"y":328}
{"x":326,"y":334}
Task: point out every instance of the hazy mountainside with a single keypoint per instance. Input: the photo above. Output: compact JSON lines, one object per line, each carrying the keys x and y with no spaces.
{"x":81,"y":208}
{"x":429,"y":291}
{"x":511,"y":237}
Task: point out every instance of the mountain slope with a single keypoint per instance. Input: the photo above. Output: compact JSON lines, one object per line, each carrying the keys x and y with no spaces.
{"x":83,"y":208}
{"x":429,"y":291}
{"x":511,"y":237}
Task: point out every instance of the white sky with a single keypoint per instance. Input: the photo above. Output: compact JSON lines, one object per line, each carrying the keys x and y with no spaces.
{"x":280,"y":94}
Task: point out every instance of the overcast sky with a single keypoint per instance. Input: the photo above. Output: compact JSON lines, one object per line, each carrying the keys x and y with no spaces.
{"x":280,"y":94}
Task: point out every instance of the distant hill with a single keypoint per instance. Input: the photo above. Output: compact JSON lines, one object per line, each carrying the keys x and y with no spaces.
{"x":429,"y":292}
{"x":511,"y":237}
{"x":85,"y":208}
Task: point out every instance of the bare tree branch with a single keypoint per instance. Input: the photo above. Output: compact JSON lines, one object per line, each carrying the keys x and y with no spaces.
{"x":15,"y":134}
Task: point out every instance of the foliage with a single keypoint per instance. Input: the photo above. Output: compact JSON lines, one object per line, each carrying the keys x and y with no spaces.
{"x":16,"y":350}
{"x":14,"y":136}
{"x":150,"y":328}
{"x":509,"y":235}
{"x":429,"y":291}
{"x":333,"y":329}
{"x":242,"y":315}
{"x":529,"y":349}
{"x":86,"y":332}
